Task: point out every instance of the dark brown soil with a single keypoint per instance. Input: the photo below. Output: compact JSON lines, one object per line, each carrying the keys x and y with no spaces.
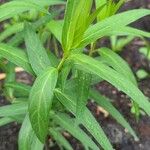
{"x":119,"y":138}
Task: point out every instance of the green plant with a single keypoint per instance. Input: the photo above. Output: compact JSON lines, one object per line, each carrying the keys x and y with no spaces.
{"x":117,"y":44}
{"x":145,"y":51}
{"x":109,"y":8}
{"x":56,"y":102}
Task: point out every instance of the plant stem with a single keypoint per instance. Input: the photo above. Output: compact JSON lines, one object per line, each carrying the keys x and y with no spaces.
{"x":92,"y":48}
{"x":47,"y":144}
{"x":61,"y":63}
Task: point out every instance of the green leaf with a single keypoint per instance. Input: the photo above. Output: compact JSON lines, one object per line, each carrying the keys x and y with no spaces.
{"x":56,"y":28}
{"x":119,"y":44}
{"x":11,"y":30}
{"x":16,"y":7}
{"x":89,"y":121}
{"x":98,"y":4}
{"x":16,"y":56}
{"x":46,"y":2}
{"x":40,"y":101}
{"x":92,"y":66}
{"x":53,"y":59}
{"x":96,"y":130}
{"x":20,"y":99}
{"x":82,"y":12}
{"x":19,"y":88}
{"x":145,"y":51}
{"x":115,"y":61}
{"x":126,"y":31}
{"x":63,"y":76}
{"x":10,"y":77}
{"x":83,"y":84}
{"x":93,"y":16}
{"x":118,"y":5}
{"x":69,"y":24}
{"x":5,"y":120}
{"x":13,"y":109}
{"x":27,"y":139}
{"x":142,"y":74}
{"x":69,"y":124}
{"x":112,"y":24}
{"x":18,"y":38}
{"x":104,"y":102}
{"x":76,"y":15}
{"x":37,"y":54}
{"x":110,"y":8}
{"x":60,"y":139}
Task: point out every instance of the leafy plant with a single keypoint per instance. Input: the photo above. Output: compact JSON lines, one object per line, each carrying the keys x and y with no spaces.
{"x":56,"y":102}
{"x":109,"y":8}
{"x":117,"y":44}
{"x":145,"y":51}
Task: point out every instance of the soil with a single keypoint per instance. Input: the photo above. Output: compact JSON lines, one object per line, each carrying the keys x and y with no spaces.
{"x":117,"y":135}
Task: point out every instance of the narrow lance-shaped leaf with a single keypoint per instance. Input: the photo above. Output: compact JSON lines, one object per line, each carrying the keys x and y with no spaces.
{"x":13,"y":109}
{"x":46,"y":2}
{"x":27,"y":138}
{"x":112,"y":23}
{"x":92,"y":66}
{"x":115,"y":61}
{"x":18,"y":38}
{"x":93,"y":16}
{"x":56,"y":28}
{"x":60,"y":139}
{"x":104,"y":102}
{"x":82,"y":12}
{"x":89,"y":121}
{"x":74,"y":26}
{"x":63,"y":76}
{"x":124,"y":31}
{"x":40,"y":101}
{"x":119,"y":44}
{"x":16,"y":56}
{"x":37,"y":54}
{"x":10,"y":77}
{"x":68,"y":124}
{"x":118,"y":5}
{"x":10,"y":72}
{"x":98,"y":4}
{"x":83,"y":84}
{"x":20,"y":89}
{"x":67,"y":36}
{"x":53,"y":59}
{"x":11,"y":30}
{"x":5,"y":120}
{"x":16,"y":7}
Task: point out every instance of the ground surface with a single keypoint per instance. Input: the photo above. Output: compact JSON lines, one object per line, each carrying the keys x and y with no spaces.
{"x":119,"y":138}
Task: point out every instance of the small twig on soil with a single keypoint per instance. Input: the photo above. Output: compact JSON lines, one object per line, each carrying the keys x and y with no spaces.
{"x":102,"y":110}
{"x":66,"y":134}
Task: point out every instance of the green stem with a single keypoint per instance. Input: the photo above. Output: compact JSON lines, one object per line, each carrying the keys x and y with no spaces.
{"x":61,"y":63}
{"x":92,"y":48}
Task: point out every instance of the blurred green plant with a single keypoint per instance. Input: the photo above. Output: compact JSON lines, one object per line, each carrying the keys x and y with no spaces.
{"x":145,"y":51}
{"x":64,"y":80}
